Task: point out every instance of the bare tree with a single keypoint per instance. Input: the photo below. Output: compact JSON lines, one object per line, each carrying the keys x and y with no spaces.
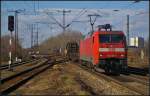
{"x":5,"y":47}
{"x":60,"y":41}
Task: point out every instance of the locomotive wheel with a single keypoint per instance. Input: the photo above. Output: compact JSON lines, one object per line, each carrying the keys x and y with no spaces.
{"x":116,"y":70}
{"x":107,"y":70}
{"x":82,"y":63}
{"x":126,"y":71}
{"x":92,"y":66}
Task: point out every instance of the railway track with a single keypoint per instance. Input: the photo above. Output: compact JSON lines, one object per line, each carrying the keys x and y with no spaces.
{"x":138,"y":71}
{"x":132,"y":83}
{"x":11,"y":83}
{"x":138,"y":86}
{"x":6,"y":66}
{"x":138,"y":79}
{"x":145,"y":78}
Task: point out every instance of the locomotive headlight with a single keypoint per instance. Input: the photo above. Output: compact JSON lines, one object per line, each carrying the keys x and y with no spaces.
{"x":101,"y":55}
{"x":122,"y":55}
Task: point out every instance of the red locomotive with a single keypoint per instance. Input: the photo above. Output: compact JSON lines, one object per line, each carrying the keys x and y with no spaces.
{"x":105,"y":49}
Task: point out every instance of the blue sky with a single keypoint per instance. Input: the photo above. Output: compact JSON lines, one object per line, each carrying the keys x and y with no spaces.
{"x":29,"y":5}
{"x":139,"y":23}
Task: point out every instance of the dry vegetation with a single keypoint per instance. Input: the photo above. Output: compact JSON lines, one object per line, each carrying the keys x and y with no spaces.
{"x":5,"y":47}
{"x":59,"y":41}
{"x":135,"y":57}
{"x":134,"y":60}
{"x":63,"y":79}
{"x":55,"y":81}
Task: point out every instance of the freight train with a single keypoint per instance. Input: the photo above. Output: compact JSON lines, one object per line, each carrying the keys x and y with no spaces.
{"x":104,"y":49}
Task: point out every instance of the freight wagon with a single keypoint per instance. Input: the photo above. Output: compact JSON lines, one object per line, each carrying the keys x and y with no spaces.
{"x":72,"y":51}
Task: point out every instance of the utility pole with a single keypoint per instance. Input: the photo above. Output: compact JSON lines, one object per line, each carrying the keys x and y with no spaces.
{"x":64,"y":14}
{"x":128,"y":29}
{"x":16,"y":31}
{"x":37,"y":41}
{"x":16,"y":34}
{"x":64,"y":19}
{"x":37,"y":37}
{"x":31,"y":37}
{"x":34,"y":38}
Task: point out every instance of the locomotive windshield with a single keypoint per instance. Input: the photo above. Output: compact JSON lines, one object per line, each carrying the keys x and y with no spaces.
{"x":111,"y":38}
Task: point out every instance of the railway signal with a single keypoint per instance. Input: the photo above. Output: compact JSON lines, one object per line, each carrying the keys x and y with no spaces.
{"x":11,"y":23}
{"x":16,"y":29}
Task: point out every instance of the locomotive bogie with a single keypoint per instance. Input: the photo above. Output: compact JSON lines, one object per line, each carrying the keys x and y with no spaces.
{"x":117,"y":65}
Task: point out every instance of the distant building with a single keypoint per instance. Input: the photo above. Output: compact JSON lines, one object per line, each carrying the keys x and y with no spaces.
{"x":137,"y":42}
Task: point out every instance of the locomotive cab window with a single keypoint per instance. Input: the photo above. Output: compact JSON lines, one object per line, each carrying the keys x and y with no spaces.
{"x":111,"y":38}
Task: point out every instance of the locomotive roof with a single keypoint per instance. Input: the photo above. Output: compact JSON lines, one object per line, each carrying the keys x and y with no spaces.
{"x":109,"y":32}
{"x":103,"y":32}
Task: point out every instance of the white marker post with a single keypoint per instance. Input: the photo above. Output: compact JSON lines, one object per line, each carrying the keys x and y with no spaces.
{"x":10,"y":52}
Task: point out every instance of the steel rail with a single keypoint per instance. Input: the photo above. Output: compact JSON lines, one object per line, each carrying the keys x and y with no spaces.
{"x":11,"y":83}
{"x":6,"y":66}
{"x":139,"y":80}
{"x":115,"y":79}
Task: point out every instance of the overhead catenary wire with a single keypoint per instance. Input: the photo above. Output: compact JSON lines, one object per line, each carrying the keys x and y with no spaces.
{"x":50,"y":15}
{"x":78,"y":16}
{"x":49,"y":24}
{"x":135,"y":1}
{"x":64,"y":26}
